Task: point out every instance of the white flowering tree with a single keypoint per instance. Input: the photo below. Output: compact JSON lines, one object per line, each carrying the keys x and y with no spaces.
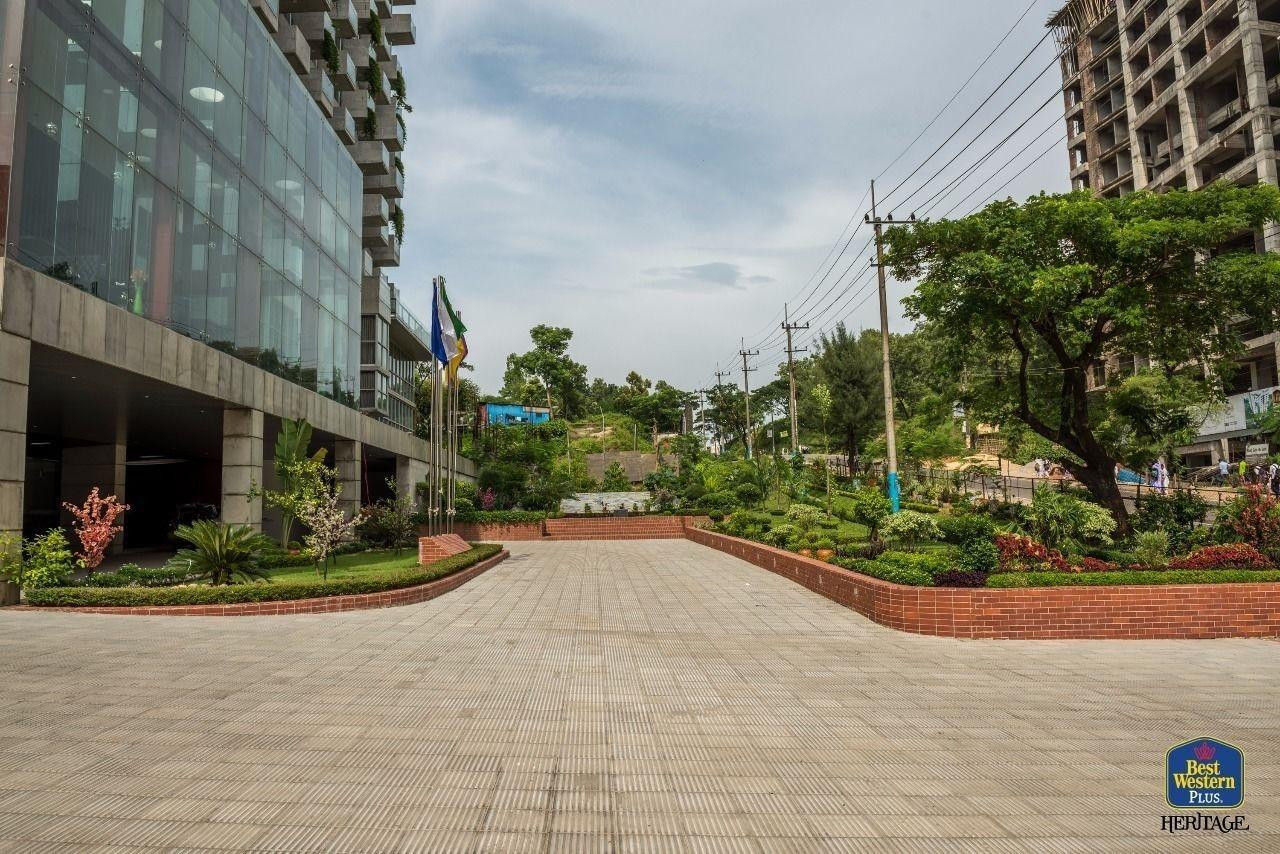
{"x":328,"y":526}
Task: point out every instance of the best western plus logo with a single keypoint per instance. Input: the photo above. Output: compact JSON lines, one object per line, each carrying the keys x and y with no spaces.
{"x":1204,"y":774}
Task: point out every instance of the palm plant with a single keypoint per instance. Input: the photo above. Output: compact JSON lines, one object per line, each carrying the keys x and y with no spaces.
{"x":221,"y":553}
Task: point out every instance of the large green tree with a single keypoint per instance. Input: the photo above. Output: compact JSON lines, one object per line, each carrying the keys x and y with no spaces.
{"x":1029,"y":298}
{"x":562,"y":381}
{"x":852,"y":369}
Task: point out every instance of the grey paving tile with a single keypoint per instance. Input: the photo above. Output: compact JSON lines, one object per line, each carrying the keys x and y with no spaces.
{"x":638,"y":696}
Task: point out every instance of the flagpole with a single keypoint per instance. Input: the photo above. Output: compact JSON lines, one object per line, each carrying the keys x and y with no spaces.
{"x":457,"y":437}
{"x":434,"y":451}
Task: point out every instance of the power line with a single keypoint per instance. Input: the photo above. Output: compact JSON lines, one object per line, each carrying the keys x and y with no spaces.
{"x":959,"y":91}
{"x":972,"y":115}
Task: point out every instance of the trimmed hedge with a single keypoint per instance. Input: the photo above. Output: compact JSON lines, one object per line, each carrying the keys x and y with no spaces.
{"x":501,"y":517}
{"x":376,"y":582}
{"x":887,"y":572}
{"x":921,"y":507}
{"x":1132,"y":576}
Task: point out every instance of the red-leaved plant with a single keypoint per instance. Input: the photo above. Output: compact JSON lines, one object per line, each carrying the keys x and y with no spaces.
{"x":1023,"y":554}
{"x":1258,"y":522}
{"x":488,"y":499}
{"x":1233,"y":556}
{"x":1092,"y":564}
{"x":95,"y":526}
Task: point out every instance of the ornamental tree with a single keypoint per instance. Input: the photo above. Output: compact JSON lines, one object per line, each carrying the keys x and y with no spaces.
{"x":1029,"y":299}
{"x":328,"y":525}
{"x":95,"y":526}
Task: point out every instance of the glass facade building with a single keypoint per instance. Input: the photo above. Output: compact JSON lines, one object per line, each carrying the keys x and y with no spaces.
{"x":166,"y":158}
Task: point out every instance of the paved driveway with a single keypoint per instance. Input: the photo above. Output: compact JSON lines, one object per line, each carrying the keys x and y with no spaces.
{"x":610,"y":696}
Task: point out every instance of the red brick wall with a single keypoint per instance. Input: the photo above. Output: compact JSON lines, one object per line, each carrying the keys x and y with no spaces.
{"x":1173,"y":611}
{"x":475,"y":533}
{"x":617,"y":528}
{"x":356,"y":602}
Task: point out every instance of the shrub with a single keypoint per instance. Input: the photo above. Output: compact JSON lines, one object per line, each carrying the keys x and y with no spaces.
{"x":1063,"y":522}
{"x":1232,"y":556}
{"x":1151,"y":548}
{"x":960,"y":578}
{"x":88,"y":597}
{"x":132,"y":575}
{"x":1254,"y":517}
{"x":1092,"y":564}
{"x":722,"y":503}
{"x":1178,"y":514}
{"x":930,"y":563}
{"x":921,"y":507}
{"x":615,"y":478}
{"x":885,"y":572}
{"x":804,"y":516}
{"x":749,"y":494}
{"x":1023,"y":554}
{"x":46,"y":560}
{"x":220,"y":553}
{"x":501,"y":517}
{"x":780,"y":536}
{"x":910,"y":527}
{"x":1132,"y":576}
{"x":388,"y":523}
{"x":978,"y":555}
{"x":95,"y":526}
{"x":966,"y":527}
{"x":871,"y":508}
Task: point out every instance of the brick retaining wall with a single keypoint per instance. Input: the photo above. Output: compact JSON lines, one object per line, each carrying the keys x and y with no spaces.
{"x":582,"y":528}
{"x":473,"y":532}
{"x":324,"y":605}
{"x":1041,"y":613}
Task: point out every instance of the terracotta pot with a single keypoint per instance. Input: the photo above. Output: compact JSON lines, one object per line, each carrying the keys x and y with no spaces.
{"x":805,"y":553}
{"x":825,"y":555}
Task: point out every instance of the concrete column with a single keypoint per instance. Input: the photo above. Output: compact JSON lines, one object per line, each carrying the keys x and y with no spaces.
{"x":347,"y":459}
{"x":1259,"y":100}
{"x":242,"y":467}
{"x":15,"y":372}
{"x":409,"y":473}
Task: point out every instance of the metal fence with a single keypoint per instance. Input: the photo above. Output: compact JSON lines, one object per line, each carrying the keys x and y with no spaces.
{"x":1021,"y":490}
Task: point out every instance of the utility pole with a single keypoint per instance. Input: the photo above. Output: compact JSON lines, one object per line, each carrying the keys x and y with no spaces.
{"x":890,"y":438}
{"x":720,"y":375}
{"x":790,"y":327}
{"x":746,"y":385}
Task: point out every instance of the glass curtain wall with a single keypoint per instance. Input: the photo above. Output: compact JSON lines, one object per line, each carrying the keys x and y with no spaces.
{"x":170,"y":162}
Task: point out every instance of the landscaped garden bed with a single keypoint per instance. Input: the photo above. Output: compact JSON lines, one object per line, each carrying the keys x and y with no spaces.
{"x":1058,"y":540}
{"x":365,"y":573}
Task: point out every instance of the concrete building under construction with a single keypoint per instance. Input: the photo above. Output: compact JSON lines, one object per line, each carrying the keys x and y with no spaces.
{"x":1181,"y":93}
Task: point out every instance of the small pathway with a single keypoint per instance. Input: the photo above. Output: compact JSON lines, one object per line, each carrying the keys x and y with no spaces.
{"x":615,"y":696}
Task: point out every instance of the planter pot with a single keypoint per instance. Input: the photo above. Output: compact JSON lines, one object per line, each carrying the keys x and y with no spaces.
{"x":805,"y":553}
{"x":825,"y":555}
{"x":10,"y":594}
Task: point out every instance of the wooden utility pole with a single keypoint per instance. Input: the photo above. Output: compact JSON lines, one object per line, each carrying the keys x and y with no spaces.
{"x":746,"y":385}
{"x":790,"y":327}
{"x":890,"y":438}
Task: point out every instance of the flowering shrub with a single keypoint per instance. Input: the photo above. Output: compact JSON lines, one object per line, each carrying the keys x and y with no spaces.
{"x":911,"y":527}
{"x":488,"y":499}
{"x":1234,"y":556}
{"x":95,"y":526}
{"x":1023,"y":554}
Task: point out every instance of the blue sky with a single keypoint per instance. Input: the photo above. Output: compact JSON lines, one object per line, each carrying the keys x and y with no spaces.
{"x":661,"y":176}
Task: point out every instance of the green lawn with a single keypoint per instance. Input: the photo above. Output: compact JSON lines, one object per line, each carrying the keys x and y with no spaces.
{"x":359,"y":565}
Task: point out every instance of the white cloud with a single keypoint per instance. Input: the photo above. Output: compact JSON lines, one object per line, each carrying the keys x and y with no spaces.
{"x":661,"y":177}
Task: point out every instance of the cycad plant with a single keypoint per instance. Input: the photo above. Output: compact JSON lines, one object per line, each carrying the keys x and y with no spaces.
{"x":221,"y":553}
